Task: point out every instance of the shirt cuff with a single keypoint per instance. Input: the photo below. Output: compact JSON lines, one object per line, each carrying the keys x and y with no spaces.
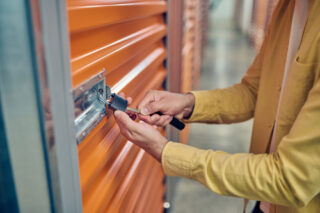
{"x":201,"y":106}
{"x":177,"y":159}
{"x":195,"y":107}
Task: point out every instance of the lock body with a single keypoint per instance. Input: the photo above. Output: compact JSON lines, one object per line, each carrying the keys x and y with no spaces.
{"x":118,"y":103}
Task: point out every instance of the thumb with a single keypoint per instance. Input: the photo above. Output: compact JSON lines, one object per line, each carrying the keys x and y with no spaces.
{"x":153,"y":107}
{"x":123,"y":120}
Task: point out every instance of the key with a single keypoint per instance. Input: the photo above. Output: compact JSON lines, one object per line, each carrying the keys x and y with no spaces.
{"x":174,"y":122}
{"x":116,"y":102}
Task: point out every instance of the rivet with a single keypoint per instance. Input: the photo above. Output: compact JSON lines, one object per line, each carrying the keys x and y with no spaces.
{"x":166,"y":205}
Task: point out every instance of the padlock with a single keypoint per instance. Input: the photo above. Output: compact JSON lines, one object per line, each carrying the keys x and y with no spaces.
{"x":118,"y":103}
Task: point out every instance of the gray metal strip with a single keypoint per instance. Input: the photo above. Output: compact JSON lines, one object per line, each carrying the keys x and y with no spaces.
{"x":37,"y":105}
{"x":8,"y":197}
{"x":20,"y":108}
{"x":64,"y":163}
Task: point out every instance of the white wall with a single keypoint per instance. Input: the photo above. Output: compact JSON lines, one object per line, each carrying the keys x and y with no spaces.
{"x":224,"y":11}
{"x":246,"y":16}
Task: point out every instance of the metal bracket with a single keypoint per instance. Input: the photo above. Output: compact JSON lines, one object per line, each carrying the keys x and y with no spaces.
{"x":108,"y":93}
{"x":89,"y":110}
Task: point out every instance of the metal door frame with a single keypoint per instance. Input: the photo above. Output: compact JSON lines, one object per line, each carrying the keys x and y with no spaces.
{"x":36,"y":105}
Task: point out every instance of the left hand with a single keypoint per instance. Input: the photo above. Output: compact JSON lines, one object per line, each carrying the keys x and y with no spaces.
{"x":142,"y":134}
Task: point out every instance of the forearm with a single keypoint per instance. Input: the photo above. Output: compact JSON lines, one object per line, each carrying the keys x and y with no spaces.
{"x":230,"y":105}
{"x":256,"y":177}
{"x":290,"y":176}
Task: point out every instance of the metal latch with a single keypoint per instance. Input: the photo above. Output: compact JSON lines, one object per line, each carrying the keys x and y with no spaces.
{"x":89,"y":110}
{"x":113,"y":100}
{"x":90,"y":101}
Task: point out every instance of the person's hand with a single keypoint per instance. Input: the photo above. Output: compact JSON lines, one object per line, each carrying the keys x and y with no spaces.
{"x":132,"y":115}
{"x":169,"y":104}
{"x":142,"y":134}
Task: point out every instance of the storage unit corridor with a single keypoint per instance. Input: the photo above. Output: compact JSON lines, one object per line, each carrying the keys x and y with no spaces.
{"x":124,"y":38}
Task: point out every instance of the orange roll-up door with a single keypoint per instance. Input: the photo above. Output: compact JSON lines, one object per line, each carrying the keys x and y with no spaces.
{"x":126,"y":39}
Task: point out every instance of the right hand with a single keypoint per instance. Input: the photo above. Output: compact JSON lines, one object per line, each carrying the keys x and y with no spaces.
{"x":169,"y":104}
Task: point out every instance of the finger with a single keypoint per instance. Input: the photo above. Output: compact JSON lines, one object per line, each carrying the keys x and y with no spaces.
{"x":126,"y":125}
{"x":150,"y":97}
{"x":168,"y":120}
{"x":163,"y":121}
{"x":156,"y":106}
{"x":122,"y":94}
{"x":155,"y":118}
{"x":129,"y":99}
{"x":124,"y":121}
{"x":145,"y":118}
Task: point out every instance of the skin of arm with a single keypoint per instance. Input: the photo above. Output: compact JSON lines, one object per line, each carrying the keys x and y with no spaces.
{"x":142,"y":134}
{"x":289,"y":176}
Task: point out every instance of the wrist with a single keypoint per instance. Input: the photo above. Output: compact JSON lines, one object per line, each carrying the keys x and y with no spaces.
{"x":190,"y":100}
{"x":155,"y":147}
{"x":163,"y":143}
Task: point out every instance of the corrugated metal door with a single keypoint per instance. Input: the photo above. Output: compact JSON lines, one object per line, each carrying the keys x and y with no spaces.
{"x":194,"y":38}
{"x":126,"y":39}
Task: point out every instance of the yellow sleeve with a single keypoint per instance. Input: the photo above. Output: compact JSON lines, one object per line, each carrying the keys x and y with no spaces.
{"x":236,"y":103}
{"x":290,"y":176}
{"x":233,"y":104}
{"x":230,"y":105}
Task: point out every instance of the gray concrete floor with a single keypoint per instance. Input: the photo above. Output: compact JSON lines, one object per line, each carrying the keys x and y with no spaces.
{"x":227,"y":57}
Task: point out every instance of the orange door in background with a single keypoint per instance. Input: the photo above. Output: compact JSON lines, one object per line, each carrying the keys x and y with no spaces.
{"x":125,"y":39}
{"x":195,"y":25}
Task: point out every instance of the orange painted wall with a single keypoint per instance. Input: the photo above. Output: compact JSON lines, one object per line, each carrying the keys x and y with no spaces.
{"x":125,"y":39}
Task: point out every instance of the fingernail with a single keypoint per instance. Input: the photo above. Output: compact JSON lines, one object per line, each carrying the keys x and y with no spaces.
{"x":144,"y":111}
{"x":116,"y":113}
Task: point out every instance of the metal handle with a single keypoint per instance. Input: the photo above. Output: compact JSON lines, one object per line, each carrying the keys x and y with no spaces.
{"x":174,"y":122}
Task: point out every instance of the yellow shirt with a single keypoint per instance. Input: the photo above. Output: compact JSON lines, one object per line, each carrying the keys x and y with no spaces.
{"x":290,"y":177}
